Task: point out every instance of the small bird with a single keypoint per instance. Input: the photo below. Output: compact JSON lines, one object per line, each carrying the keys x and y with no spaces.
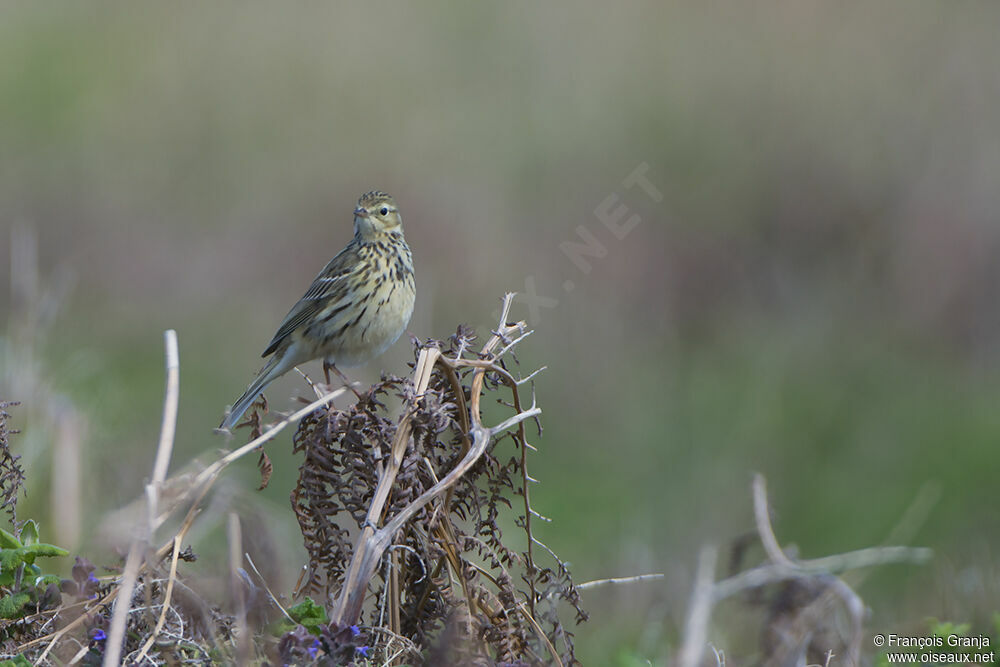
{"x":357,"y":306}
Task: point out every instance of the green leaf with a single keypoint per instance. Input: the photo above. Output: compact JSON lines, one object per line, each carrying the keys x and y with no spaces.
{"x":44,"y":580}
{"x":42,"y":549}
{"x":12,"y":606}
{"x":10,"y":559}
{"x":18,"y":661}
{"x":8,"y":541}
{"x":944,"y":629}
{"x":309,"y":614}
{"x":29,"y":533}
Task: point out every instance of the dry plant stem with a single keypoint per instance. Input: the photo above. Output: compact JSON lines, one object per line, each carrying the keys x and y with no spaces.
{"x":269,"y":434}
{"x":161,"y":553}
{"x":772,"y":573}
{"x":619,"y":580}
{"x":445,"y":532}
{"x":54,"y":637}
{"x":541,"y":634}
{"x":530,"y":565}
{"x":463,"y":417}
{"x":263,"y":582}
{"x":84,"y":650}
{"x":166,"y":597}
{"x":372,"y":542}
{"x":421,"y":379}
{"x":764,"y":529}
{"x":132,"y":564}
{"x":481,"y":438}
{"x":169,"y":424}
{"x":818,"y":607}
{"x":139,"y":546}
{"x":498,"y":607}
{"x":915,"y":515}
{"x":783,"y":568}
{"x":522,"y":437}
{"x":394,"y":593}
{"x":210,"y":473}
{"x":856,"y":609}
{"x":113,"y":646}
{"x":243,"y":639}
{"x":700,"y":610}
{"x":443,"y":529}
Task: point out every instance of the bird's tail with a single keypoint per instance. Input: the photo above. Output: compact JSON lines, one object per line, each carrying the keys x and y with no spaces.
{"x":273,"y":369}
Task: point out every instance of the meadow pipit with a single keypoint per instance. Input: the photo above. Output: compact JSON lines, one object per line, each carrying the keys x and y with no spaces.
{"x":354,"y":310}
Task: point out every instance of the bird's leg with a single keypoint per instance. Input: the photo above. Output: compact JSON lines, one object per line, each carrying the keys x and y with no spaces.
{"x":317,"y":388}
{"x":327,"y":367}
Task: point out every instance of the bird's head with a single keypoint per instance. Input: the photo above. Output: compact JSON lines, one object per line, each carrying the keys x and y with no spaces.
{"x":376,"y":214}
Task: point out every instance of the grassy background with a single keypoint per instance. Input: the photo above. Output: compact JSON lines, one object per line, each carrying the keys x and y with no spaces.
{"x":814,"y":298}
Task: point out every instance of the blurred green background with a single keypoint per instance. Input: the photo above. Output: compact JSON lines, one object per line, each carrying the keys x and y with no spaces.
{"x":814,"y":296}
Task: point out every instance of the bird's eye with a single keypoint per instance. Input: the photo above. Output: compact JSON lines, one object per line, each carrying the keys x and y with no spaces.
{"x":384,"y":211}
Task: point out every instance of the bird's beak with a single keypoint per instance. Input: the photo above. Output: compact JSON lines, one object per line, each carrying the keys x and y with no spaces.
{"x":360,"y":212}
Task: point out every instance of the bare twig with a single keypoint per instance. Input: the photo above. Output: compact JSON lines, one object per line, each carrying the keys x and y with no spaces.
{"x":856,"y":610}
{"x":541,"y":634}
{"x":806,"y":619}
{"x":235,"y":535}
{"x":531,"y":376}
{"x":169,"y":424}
{"x":618,"y":580}
{"x":139,"y":546}
{"x":373,"y":541}
{"x":267,"y":588}
{"x":700,"y":610}
{"x":54,"y":637}
{"x":113,"y":646}
{"x":783,"y":568}
{"x":166,"y":596}
{"x":771,"y":573}
{"x":764,"y":529}
{"x":269,"y":434}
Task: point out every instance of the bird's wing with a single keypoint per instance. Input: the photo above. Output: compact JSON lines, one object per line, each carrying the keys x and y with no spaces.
{"x":328,"y":288}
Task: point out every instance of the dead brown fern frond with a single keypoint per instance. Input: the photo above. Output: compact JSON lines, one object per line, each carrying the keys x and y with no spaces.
{"x":11,"y":472}
{"x":402,"y":517}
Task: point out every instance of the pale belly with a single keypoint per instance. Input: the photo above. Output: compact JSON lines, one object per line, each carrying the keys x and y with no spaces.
{"x":380,"y":325}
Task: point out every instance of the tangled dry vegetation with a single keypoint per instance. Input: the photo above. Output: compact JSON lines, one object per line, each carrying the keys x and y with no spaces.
{"x":401,"y":517}
{"x":402,"y":501}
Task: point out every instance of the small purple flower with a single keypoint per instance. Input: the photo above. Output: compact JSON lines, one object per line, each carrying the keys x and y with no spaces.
{"x":363,"y":650}
{"x":93,"y":579}
{"x":314,"y":649}
{"x":355,"y":631}
{"x":99,"y":635}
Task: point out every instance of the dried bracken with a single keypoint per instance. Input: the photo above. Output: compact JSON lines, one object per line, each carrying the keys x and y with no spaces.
{"x":11,"y":473}
{"x":401,"y":512}
{"x":447,"y":578}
